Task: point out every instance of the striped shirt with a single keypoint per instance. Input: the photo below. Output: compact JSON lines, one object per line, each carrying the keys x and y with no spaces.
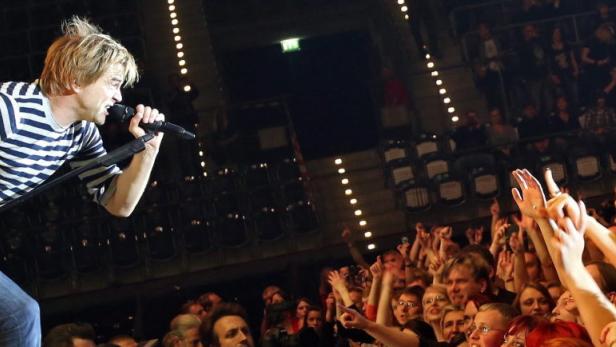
{"x":33,"y":145}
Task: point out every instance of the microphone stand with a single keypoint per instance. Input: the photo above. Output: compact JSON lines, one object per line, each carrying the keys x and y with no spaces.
{"x":135,"y":146}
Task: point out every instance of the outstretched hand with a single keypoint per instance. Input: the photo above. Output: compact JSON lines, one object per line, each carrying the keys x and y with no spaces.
{"x":568,"y":240}
{"x":352,"y":319}
{"x":530,"y":198}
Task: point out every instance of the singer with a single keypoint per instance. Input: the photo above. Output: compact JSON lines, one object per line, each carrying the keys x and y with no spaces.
{"x":53,"y":120}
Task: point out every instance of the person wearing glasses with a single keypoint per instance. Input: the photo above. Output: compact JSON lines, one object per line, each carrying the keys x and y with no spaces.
{"x":434,"y":300}
{"x":490,"y":325}
{"x":408,"y":305}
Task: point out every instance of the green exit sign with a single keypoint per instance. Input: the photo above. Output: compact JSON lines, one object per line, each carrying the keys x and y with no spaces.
{"x":290,"y":45}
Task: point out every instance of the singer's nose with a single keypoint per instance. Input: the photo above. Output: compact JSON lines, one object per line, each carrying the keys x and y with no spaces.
{"x":117,"y":96}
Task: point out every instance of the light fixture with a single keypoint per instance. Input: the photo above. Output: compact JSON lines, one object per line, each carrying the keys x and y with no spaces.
{"x":345,"y":181}
{"x":406,"y":16}
{"x":368,"y":234}
{"x":170,"y":1}
{"x":180,"y":54}
{"x":182,"y":62}
{"x":400,"y":2}
{"x":177,"y":37}
{"x":176,"y":30}
{"x":447,"y":100}
{"x":353,"y":201}
{"x":348,"y":192}
{"x":338,"y":161}
{"x":427,"y":55}
{"x":179,"y":46}
{"x":173,"y":15}
{"x":362,"y":223}
{"x":451,"y":110}
{"x":184,"y":71}
{"x":442,"y":91}
{"x":174,"y":22}
{"x":434,"y":73}
{"x":455,"y":119}
{"x":439,"y":82}
{"x":358,"y":212}
{"x":430,"y":65}
{"x":341,"y":170}
{"x":371,"y":246}
{"x":172,"y":8}
{"x":404,"y":8}
{"x":187,"y":88}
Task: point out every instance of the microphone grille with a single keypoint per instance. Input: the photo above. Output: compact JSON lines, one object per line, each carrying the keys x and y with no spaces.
{"x":121,"y":112}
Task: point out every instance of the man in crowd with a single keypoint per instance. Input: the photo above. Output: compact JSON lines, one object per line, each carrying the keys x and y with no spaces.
{"x":226,"y":326}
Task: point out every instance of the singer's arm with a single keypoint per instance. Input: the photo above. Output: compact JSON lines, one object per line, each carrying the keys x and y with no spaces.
{"x":131,"y":183}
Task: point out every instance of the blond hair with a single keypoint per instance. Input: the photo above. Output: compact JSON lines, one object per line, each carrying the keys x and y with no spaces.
{"x":80,"y":56}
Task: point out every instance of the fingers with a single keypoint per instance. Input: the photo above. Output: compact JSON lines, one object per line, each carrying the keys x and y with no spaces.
{"x":551,"y":184}
{"x":516,"y":196}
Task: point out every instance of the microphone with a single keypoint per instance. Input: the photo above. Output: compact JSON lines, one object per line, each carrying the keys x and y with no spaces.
{"x":123,"y":113}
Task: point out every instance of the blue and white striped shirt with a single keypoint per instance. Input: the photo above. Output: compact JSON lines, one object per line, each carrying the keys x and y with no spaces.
{"x":33,"y":145}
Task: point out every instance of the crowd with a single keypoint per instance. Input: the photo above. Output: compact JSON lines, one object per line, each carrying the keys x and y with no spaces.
{"x":542,"y":277}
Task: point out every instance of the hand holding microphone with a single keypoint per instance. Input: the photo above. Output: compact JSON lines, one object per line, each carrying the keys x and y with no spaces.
{"x":124,"y":113}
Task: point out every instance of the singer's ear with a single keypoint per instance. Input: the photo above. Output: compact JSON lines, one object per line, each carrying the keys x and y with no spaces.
{"x":75,"y":87}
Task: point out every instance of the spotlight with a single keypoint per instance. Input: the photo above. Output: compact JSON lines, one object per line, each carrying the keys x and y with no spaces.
{"x":439,"y":82}
{"x":187,"y":88}
{"x":434,"y":73}
{"x":406,"y":16}
{"x":362,"y":223}
{"x":172,"y":8}
{"x":180,"y":54}
{"x":430,"y":65}
{"x":177,"y":37}
{"x":404,"y":8}
{"x":447,"y":100}
{"x":345,"y":181}
{"x":179,"y":46}
{"x":176,"y":30}
{"x":173,"y":15}
{"x":202,"y":164}
{"x":338,"y":161}
{"x":358,"y":212}
{"x":455,"y":119}
{"x":400,"y":2}
{"x":184,"y":71}
{"x":348,"y":192}
{"x":371,"y":246}
{"x":427,"y":55}
{"x":341,"y":171}
{"x":182,"y":62}
{"x":170,"y":1}
{"x":451,"y":110}
{"x":174,"y":22}
{"x":442,"y":91}
{"x":353,"y":201}
{"x":368,"y":234}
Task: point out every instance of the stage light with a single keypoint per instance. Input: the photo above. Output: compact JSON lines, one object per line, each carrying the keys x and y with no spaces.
{"x":406,"y":16}
{"x":187,"y":88}
{"x":177,"y":37}
{"x":439,"y":82}
{"x":172,"y":8}
{"x":353,"y":201}
{"x":179,"y":46}
{"x":348,"y":192}
{"x":427,"y":55}
{"x":442,"y":91}
{"x":434,"y":73}
{"x":362,"y":223}
{"x":358,"y":212}
{"x":338,"y":161}
{"x":180,"y":54}
{"x":341,"y":171}
{"x":451,"y":110}
{"x":184,"y":71}
{"x":170,"y":1}
{"x":182,"y":62}
{"x":368,"y":234}
{"x":345,"y":181}
{"x":455,"y":119}
{"x":447,"y":100}
{"x":404,"y":8}
{"x":430,"y":65}
{"x":371,"y":246}
{"x":173,"y":15}
{"x":400,"y":2}
{"x":176,"y":30}
{"x":174,"y":22}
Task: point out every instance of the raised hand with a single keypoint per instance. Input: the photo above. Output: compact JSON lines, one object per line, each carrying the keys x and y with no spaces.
{"x":568,"y":240}
{"x":352,"y":319}
{"x":404,"y":248}
{"x":608,"y":335}
{"x":505,"y":265}
{"x":563,"y":205}
{"x":524,"y":222}
{"x":336,"y":280}
{"x":531,"y":200}
{"x":347,"y":234}
{"x":516,"y":241}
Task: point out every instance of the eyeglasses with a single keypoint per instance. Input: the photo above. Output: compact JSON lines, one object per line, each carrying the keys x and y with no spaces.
{"x":483,"y":329}
{"x":438,"y":298}
{"x":410,"y":304}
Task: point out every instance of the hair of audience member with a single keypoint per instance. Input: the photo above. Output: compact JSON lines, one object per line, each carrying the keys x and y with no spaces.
{"x":507,"y":311}
{"x":538,"y":287}
{"x":525,"y":323}
{"x":447,"y":309}
{"x":185,"y":321}
{"x":208,"y":337}
{"x":566,"y":342}
{"x":607,"y":271}
{"x":270,"y":290}
{"x":416,"y":291}
{"x":481,"y":251}
{"x":205,"y":300}
{"x":421,"y":275}
{"x":311,"y":308}
{"x":479,"y":268}
{"x":82,"y":55}
{"x":548,"y":330}
{"x":172,"y":338}
{"x":62,"y":335}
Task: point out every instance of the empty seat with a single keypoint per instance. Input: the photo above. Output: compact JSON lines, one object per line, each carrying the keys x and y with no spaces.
{"x":416,"y":196}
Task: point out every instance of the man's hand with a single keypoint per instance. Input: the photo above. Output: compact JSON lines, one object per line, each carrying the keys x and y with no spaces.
{"x":146,"y":114}
{"x":336,"y":281}
{"x":568,"y":240}
{"x":352,"y":319}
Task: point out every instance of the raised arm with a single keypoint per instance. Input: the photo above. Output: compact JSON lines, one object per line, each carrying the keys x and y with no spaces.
{"x":390,"y":336}
{"x":384,"y":314}
{"x":348,"y":236}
